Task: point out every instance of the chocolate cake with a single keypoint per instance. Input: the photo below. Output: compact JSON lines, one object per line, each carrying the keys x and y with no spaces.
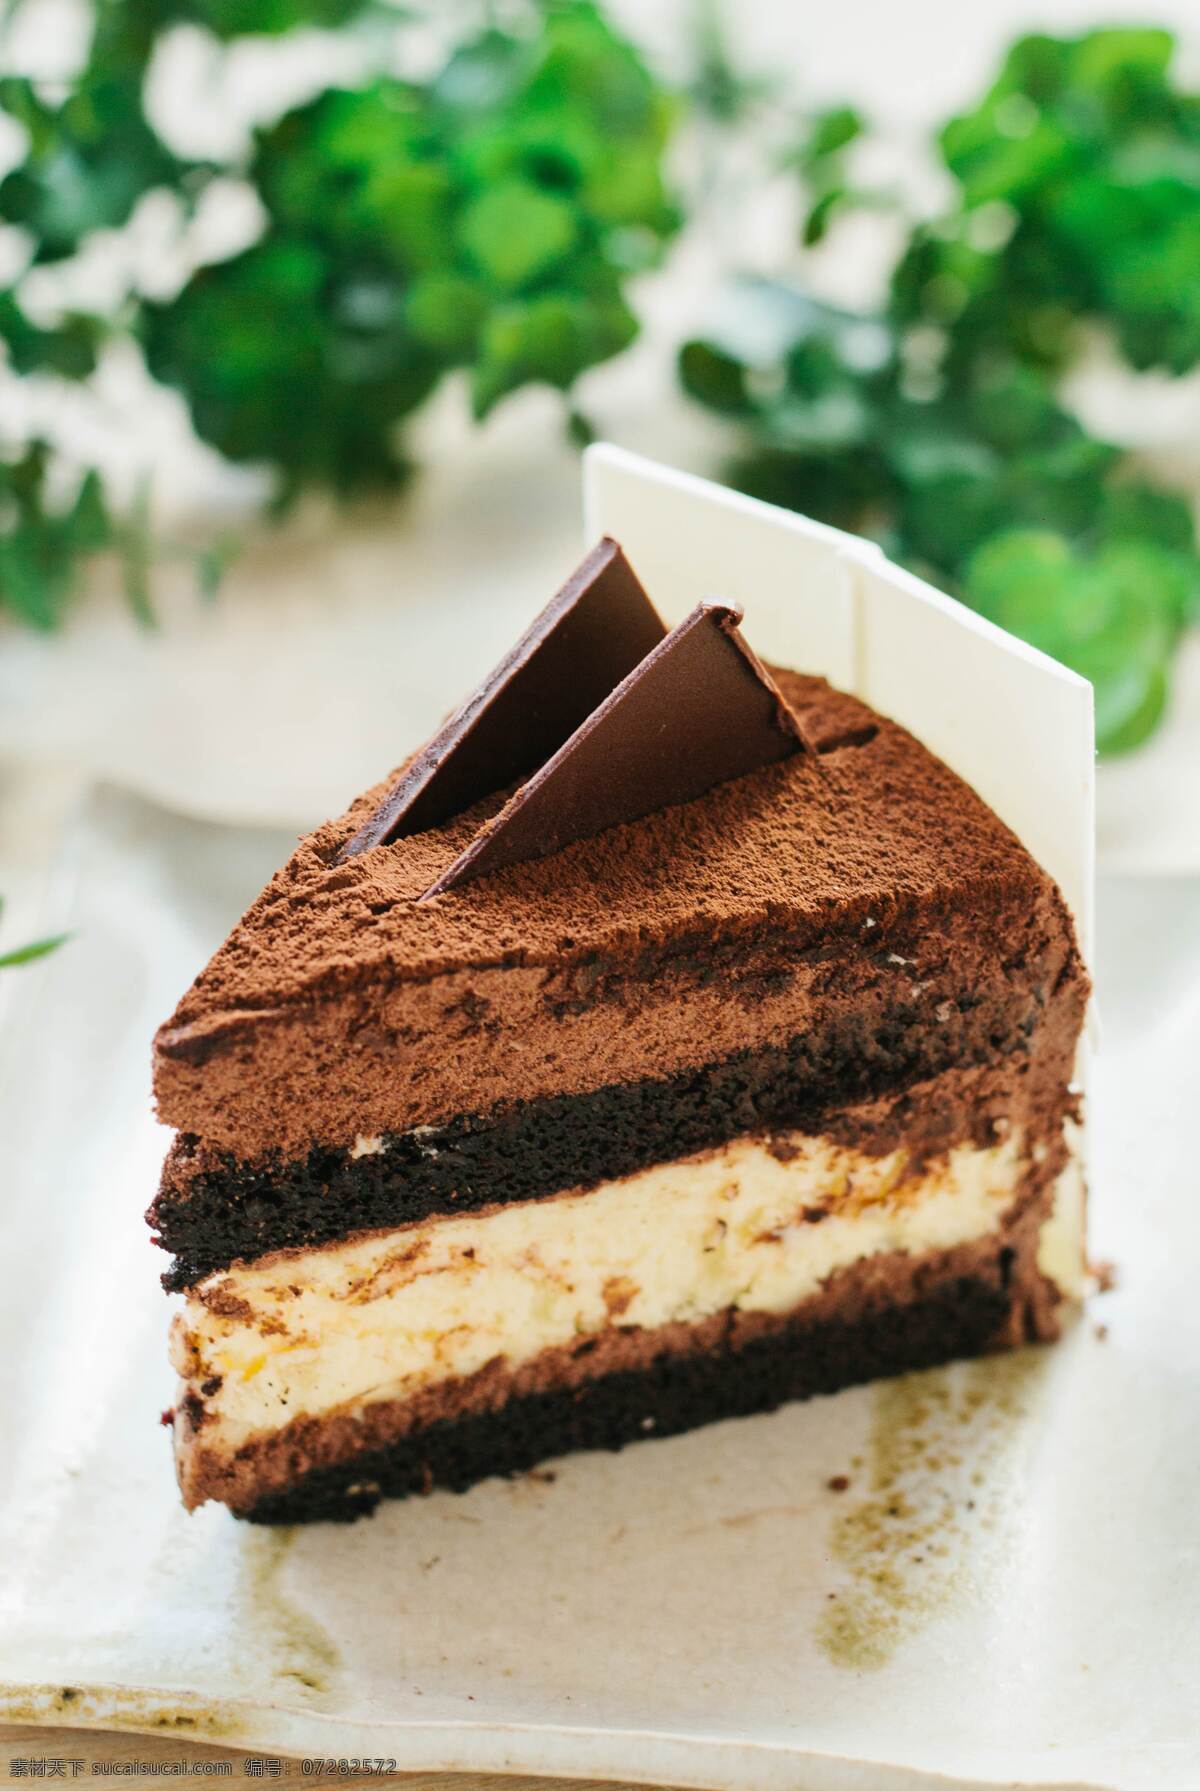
{"x":671,"y":1038}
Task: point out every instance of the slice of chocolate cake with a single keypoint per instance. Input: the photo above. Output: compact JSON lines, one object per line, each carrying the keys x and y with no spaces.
{"x":669,"y":1039}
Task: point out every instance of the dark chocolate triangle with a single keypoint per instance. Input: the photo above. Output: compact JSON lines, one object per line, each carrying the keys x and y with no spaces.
{"x":698,"y":710}
{"x":588,"y":637}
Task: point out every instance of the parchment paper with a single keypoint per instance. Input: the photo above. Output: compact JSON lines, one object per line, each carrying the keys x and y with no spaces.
{"x":1005,"y":1592}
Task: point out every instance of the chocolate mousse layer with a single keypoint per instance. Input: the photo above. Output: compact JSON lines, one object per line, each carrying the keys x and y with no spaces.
{"x":860,"y":887}
{"x":880,"y":1317}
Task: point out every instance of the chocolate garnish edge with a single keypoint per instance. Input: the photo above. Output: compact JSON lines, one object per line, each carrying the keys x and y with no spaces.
{"x":442,"y":756}
{"x":726,"y":617}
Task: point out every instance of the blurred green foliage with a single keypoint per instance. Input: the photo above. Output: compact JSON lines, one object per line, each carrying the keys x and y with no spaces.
{"x":937,"y":425}
{"x":91,"y":154}
{"x":42,"y":544}
{"x":487,"y":218}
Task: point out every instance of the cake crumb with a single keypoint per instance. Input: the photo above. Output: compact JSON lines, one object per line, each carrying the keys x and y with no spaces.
{"x":619,"y":1293}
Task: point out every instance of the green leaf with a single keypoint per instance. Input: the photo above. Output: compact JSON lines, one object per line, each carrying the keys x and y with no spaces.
{"x":551,"y":338}
{"x":1123,"y":64}
{"x":821,"y":215}
{"x":1105,"y":615}
{"x":88,"y":523}
{"x":832,"y":131}
{"x":514,"y":232}
{"x":1167,"y":580}
{"x":1135,"y":511}
{"x":89,"y":161}
{"x":715,"y":377}
{"x":406,"y":208}
{"x":43,"y":546}
{"x":1014,"y":407}
{"x":1131,"y":699}
{"x":68,"y":350}
{"x":446,"y":310}
{"x":581,"y":432}
{"x":26,"y":954}
{"x":852,"y":491}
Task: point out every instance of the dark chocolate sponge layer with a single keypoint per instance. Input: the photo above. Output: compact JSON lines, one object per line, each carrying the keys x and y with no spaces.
{"x":212,"y":1210}
{"x":965,"y":1316}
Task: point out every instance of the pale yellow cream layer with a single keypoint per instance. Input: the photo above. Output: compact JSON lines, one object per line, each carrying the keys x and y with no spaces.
{"x":387,"y":1314}
{"x":1061,"y":1256}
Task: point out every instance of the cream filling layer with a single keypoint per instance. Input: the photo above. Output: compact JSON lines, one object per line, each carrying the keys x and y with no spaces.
{"x":746,"y":1226}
